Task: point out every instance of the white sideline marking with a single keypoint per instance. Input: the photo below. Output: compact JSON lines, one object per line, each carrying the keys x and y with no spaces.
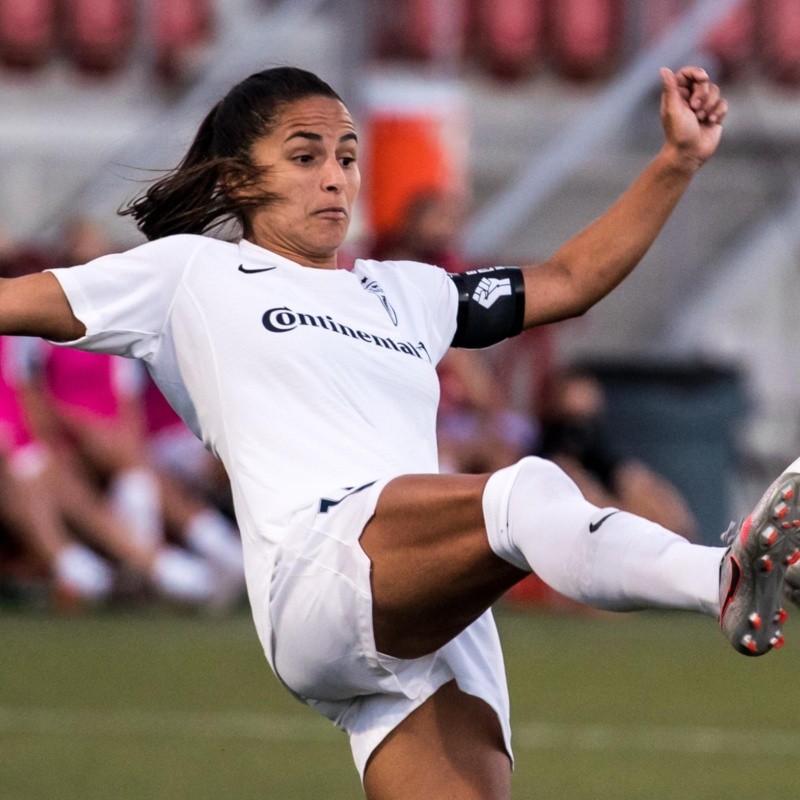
{"x":656,"y":739}
{"x":285,"y":727}
{"x":211,"y":725}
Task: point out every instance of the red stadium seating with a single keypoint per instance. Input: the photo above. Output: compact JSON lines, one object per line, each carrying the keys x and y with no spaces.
{"x":780,"y":40}
{"x":732,"y":42}
{"x":508,"y":36}
{"x":436,"y":29}
{"x":427,"y":30}
{"x":99,"y":34}
{"x":180,"y":29}
{"x":586,"y":37}
{"x":26,"y":32}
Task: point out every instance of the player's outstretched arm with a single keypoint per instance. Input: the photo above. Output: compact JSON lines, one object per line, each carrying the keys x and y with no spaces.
{"x":36,"y":305}
{"x":591,"y":264}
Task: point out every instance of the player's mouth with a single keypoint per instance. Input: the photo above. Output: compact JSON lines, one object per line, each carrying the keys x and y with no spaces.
{"x":331,"y":212}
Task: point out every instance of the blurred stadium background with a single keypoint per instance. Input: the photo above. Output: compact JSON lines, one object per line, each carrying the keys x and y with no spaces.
{"x":539,"y":113}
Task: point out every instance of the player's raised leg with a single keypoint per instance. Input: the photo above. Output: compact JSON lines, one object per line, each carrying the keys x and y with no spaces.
{"x":443,"y":548}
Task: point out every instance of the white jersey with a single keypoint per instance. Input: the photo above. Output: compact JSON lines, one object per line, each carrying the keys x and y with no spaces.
{"x":302,"y":380}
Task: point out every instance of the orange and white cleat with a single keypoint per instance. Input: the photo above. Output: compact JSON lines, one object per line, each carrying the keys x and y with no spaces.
{"x":762,"y":551}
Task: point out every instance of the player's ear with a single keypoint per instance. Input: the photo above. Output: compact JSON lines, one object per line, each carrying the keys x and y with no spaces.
{"x":244,"y":186}
{"x":234,"y":181}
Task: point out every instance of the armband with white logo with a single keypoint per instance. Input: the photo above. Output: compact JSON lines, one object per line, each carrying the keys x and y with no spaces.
{"x":491,"y":306}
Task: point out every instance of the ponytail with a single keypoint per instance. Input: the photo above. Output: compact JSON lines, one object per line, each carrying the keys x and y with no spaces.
{"x":189,"y":199}
{"x":203,"y":191}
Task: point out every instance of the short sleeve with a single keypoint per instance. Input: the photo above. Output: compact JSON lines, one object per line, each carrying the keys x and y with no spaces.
{"x":446,"y":309}
{"x":124,"y":299}
{"x":440,"y":295}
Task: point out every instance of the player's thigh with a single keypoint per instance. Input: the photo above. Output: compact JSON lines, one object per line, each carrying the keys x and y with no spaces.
{"x":433,"y":572}
{"x":450,"y":747}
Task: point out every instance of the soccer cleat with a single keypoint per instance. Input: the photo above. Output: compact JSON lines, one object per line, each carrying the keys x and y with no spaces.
{"x":791,"y":583}
{"x":761,"y":553}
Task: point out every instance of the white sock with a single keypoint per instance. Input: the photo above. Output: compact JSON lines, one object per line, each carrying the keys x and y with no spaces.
{"x":136,"y":499}
{"x":212,"y":536}
{"x":538,"y":520}
{"x":182,"y":576}
{"x":84,"y":571}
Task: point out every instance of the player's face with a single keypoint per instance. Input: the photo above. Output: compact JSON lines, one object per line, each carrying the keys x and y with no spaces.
{"x":310,"y":161}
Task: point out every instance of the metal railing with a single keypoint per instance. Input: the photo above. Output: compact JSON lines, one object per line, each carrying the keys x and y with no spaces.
{"x":550,"y":168}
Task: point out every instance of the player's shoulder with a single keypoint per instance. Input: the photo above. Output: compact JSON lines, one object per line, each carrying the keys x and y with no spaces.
{"x":413,"y":272}
{"x":183,"y":243}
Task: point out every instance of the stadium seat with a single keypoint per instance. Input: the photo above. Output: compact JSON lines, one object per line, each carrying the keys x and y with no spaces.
{"x":26,"y":32}
{"x":436,"y":29}
{"x":419,"y":30}
{"x":586,"y":37}
{"x":508,"y":36}
{"x":99,"y":34}
{"x":780,"y":40}
{"x":180,"y":29}
{"x":732,"y":42}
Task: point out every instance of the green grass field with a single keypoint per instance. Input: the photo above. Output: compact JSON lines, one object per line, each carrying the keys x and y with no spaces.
{"x":117,"y":706}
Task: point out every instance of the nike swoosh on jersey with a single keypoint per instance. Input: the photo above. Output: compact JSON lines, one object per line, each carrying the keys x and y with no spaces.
{"x":252,"y":271}
{"x":593,"y":526}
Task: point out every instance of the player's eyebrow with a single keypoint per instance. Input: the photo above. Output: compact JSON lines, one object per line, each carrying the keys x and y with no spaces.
{"x":316,"y":137}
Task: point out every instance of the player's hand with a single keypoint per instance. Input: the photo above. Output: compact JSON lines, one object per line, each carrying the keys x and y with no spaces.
{"x":692,"y":112}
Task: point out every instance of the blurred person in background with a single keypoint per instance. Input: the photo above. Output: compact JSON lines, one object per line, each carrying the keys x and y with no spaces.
{"x":574,"y":435}
{"x":430,"y":231}
{"x":476,"y":428}
{"x":370,"y":575}
{"x":88,"y":409}
{"x":97,"y":404}
{"x":194,"y":487}
{"x":83,"y":409}
{"x":86,"y":399}
{"x":29,"y":505}
{"x":46,"y":500}
{"x":176,"y":452}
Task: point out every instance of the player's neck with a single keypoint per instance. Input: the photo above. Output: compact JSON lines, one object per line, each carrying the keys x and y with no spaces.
{"x":324,"y":260}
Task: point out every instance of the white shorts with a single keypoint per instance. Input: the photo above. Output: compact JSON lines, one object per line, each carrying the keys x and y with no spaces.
{"x":323,"y":647}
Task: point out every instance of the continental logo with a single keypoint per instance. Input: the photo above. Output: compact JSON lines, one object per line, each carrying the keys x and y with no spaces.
{"x":284,"y":320}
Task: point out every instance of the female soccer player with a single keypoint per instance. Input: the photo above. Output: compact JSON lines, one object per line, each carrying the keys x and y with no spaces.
{"x":370,"y":576}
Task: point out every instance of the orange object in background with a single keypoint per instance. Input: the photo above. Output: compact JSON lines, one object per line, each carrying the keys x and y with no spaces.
{"x":417,"y":142}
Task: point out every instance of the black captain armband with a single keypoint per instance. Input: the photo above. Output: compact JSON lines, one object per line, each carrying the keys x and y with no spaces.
{"x":491,"y":306}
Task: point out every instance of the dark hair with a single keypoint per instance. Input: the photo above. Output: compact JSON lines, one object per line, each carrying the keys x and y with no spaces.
{"x":193,"y":198}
